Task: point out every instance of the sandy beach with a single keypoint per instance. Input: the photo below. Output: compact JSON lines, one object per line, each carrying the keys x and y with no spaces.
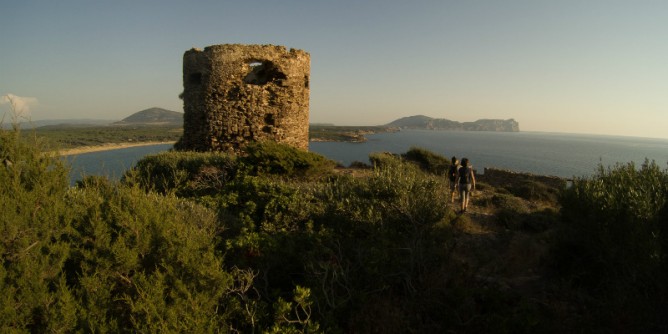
{"x":107,"y":147}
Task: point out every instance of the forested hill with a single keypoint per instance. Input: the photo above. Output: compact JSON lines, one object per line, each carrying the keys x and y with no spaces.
{"x":428,"y":123}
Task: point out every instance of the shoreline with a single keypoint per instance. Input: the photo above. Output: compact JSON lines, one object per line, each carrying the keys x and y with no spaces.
{"x":107,"y":147}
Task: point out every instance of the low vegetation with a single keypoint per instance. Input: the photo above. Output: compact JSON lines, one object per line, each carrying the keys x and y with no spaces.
{"x":66,"y":136}
{"x":279,"y":240}
{"x":344,"y":133}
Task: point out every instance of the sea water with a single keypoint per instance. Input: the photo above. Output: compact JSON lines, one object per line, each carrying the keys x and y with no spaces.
{"x":111,"y":163}
{"x":557,"y":154}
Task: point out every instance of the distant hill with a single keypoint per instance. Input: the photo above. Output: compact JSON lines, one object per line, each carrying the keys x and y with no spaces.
{"x":153,"y":116}
{"x":428,"y":123}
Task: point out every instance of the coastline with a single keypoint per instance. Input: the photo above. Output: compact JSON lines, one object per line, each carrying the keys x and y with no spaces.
{"x":108,"y":147}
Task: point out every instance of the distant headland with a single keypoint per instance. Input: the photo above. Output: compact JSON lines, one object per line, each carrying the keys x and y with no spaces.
{"x":329,"y":132}
{"x":428,"y":123}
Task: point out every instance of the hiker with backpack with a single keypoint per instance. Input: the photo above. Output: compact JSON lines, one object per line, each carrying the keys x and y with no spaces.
{"x":465,"y":182}
{"x":452,"y":176}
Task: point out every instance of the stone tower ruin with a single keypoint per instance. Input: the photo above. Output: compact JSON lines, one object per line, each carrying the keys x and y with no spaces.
{"x":235,"y":94}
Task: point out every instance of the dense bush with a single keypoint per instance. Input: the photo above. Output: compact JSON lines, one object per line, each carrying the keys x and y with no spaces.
{"x":614,"y":241}
{"x":183,"y":173}
{"x":372,"y":251}
{"x":534,"y":191}
{"x":33,"y":221}
{"x":359,"y":164}
{"x":387,"y":237}
{"x":192,"y":174}
{"x":346,"y":238}
{"x":271,"y":158}
{"x":106,"y":257}
{"x":427,"y":160}
{"x":146,"y":262}
{"x":270,"y":229}
{"x":510,"y":210}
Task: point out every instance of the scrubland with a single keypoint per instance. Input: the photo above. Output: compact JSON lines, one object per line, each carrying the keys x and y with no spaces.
{"x":283,"y":241}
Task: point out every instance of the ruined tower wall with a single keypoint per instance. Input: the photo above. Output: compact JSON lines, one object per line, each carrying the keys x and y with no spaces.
{"x":234,"y":94}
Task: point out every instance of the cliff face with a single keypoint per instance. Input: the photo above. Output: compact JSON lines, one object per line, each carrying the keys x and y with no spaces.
{"x":508,"y":125}
{"x":428,"y":123}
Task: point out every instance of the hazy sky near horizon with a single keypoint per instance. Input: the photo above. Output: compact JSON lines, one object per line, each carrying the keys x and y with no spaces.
{"x":596,"y":66}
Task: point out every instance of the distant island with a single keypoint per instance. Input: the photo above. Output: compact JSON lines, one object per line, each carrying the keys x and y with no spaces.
{"x":428,"y":123}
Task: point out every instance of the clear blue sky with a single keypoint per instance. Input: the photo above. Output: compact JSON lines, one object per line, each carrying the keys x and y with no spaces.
{"x":595,"y":66}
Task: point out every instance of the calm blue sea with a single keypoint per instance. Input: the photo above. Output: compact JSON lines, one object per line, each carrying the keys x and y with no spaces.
{"x":112,"y":163}
{"x":557,"y":154}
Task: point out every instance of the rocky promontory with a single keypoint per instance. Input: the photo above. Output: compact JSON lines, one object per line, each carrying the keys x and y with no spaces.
{"x":428,"y":123}
{"x":351,"y":134}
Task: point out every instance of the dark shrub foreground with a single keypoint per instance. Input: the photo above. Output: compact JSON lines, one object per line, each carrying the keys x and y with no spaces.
{"x":614,"y":246}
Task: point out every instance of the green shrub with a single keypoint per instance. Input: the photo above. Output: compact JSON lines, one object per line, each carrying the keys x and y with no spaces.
{"x":105,"y":257}
{"x":510,"y":210}
{"x":534,"y":191}
{"x":271,"y":158}
{"x":269,"y":229}
{"x":380,"y":236}
{"x":615,"y":214}
{"x":381,"y":159}
{"x":613,"y":241}
{"x":395,"y":191}
{"x":150,"y":263}
{"x":427,"y":160}
{"x":146,"y":262}
{"x":360,"y":165}
{"x":33,"y":222}
{"x":185,"y":174}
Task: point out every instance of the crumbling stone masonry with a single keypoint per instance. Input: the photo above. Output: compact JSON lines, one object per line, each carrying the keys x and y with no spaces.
{"x":235,"y":94}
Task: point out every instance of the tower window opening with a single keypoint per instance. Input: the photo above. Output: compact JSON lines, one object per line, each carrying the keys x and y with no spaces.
{"x":263,"y":72}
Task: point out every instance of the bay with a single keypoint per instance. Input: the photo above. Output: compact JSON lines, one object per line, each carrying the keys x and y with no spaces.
{"x":111,"y":163}
{"x":557,"y":154}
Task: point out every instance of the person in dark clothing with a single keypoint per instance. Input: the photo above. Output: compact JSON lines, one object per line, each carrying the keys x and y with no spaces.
{"x":465,"y":182}
{"x":452,"y":177}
